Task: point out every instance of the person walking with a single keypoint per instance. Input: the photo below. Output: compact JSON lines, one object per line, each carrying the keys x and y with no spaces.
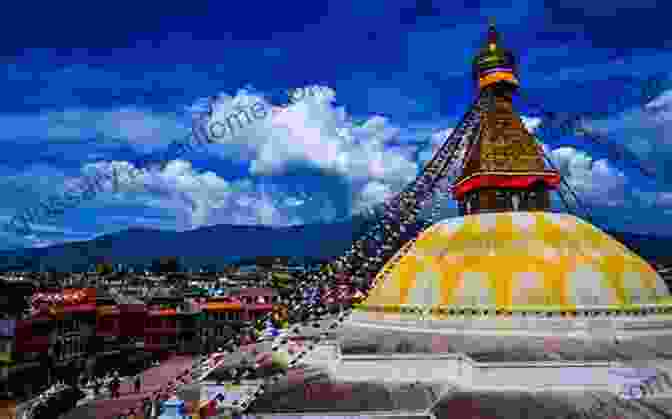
{"x":147,"y":407}
{"x":137,"y":383}
{"x":116,"y":383}
{"x":96,"y":386}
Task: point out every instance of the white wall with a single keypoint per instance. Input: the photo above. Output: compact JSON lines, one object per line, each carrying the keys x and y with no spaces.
{"x":462,"y":371}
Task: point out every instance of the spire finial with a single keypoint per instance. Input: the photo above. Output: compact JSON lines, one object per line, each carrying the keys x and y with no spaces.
{"x":492,"y":32}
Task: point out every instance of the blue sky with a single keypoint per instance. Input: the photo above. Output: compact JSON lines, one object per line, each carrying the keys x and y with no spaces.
{"x":91,"y":86}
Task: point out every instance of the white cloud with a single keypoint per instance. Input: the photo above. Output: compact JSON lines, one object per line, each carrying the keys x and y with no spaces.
{"x":373,"y":193}
{"x":531,"y":123}
{"x":374,"y":160}
{"x":313,"y":133}
{"x":644,"y":134}
{"x":437,"y":139}
{"x":595,"y":180}
{"x":293,"y":202}
{"x":200,"y":198}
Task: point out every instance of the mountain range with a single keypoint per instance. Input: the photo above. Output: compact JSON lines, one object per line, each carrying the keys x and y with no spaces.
{"x":223,"y":244}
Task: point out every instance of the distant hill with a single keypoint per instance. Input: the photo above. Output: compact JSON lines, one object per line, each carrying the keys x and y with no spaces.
{"x":218,"y":245}
{"x":224,"y":244}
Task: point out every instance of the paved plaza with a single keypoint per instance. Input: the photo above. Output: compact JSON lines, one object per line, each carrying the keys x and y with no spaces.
{"x":153,"y":379}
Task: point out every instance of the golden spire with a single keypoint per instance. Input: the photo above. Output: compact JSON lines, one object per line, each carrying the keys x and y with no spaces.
{"x":493,"y":36}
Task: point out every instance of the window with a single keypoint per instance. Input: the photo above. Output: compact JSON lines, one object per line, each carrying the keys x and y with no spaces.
{"x":515,"y":201}
{"x":532,"y":198}
{"x":502,"y":199}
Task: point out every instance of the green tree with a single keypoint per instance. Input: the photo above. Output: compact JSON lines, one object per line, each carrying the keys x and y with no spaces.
{"x":166,"y":264}
{"x":104,"y":268}
{"x":281,"y":280}
{"x":210,"y":268}
{"x":264,"y":261}
{"x":14,"y":299}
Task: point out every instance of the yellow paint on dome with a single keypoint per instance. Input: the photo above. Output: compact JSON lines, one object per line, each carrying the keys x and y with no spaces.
{"x":547,"y":260}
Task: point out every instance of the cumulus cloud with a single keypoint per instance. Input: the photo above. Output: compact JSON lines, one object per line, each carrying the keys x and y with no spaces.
{"x":371,"y":194}
{"x":641,"y":136}
{"x":308,"y":162}
{"x":362,"y":162}
{"x":595,"y":180}
{"x":313,"y":133}
{"x":197,"y":197}
{"x":437,"y":138}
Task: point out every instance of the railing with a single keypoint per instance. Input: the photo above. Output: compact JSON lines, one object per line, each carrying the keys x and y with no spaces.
{"x":521,"y":312}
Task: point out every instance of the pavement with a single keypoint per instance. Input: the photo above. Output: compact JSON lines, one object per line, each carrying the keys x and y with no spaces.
{"x":312,"y":389}
{"x":23,"y":407}
{"x":153,"y":379}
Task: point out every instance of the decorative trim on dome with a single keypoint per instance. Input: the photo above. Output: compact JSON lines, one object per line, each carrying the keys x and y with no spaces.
{"x":613,"y":310}
{"x":504,"y":180}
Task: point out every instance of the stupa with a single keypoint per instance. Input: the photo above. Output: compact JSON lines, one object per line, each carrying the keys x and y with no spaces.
{"x":507,"y":252}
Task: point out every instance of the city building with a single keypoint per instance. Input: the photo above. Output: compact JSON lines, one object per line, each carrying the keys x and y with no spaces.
{"x":63,"y":333}
{"x":256,"y":301}
{"x":75,"y":326}
{"x":31,"y":366}
{"x":221,"y":316}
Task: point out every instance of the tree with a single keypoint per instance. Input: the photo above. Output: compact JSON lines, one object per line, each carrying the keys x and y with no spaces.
{"x":281,"y":280}
{"x":210,"y":268}
{"x":166,"y":264}
{"x":15,"y":299}
{"x":104,"y":268}
{"x":264,"y":261}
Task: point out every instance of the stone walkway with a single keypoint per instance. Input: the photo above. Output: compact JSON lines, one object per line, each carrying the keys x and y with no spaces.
{"x":153,"y":380}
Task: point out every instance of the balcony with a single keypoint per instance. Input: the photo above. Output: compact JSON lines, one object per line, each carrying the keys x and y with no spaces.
{"x":155,"y":343}
{"x":159,"y":347}
{"x":161,"y":330}
{"x":33,"y":344}
{"x":159,"y":326}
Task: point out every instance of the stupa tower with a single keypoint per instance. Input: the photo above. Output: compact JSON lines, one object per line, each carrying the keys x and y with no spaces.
{"x":504,"y":168}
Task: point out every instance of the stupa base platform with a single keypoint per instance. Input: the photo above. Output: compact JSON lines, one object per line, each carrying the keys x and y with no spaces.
{"x":581,"y":322}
